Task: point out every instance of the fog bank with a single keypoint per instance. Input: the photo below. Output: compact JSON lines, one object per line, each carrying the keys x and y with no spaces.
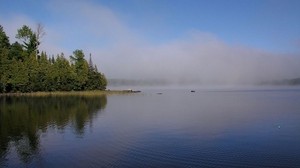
{"x":121,"y":51}
{"x":198,"y":58}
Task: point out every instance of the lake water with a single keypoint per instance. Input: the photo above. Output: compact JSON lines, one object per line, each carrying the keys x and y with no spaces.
{"x":155,"y":128}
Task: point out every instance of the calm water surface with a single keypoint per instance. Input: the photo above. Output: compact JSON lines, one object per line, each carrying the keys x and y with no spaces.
{"x":208,"y":128}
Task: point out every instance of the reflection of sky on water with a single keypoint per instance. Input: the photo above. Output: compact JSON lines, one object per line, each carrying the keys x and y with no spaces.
{"x":180,"y":128}
{"x":205,"y":124}
{"x":202,"y":112}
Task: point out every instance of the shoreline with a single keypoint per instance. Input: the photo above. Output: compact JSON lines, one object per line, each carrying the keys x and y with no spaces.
{"x":70,"y":93}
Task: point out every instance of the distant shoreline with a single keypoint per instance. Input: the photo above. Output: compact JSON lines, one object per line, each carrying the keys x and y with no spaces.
{"x":70,"y":93}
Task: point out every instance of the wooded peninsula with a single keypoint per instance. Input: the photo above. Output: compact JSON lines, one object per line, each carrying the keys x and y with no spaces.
{"x":23,"y":68}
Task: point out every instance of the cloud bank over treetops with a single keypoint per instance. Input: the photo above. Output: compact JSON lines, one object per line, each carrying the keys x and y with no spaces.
{"x":120,"y":52}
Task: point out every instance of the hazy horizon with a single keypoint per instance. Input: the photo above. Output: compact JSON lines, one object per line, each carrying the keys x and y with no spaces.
{"x":208,"y":42}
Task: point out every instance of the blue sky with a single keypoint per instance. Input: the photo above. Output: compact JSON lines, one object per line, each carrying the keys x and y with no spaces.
{"x":267,"y":24}
{"x":151,"y":31}
{"x":272,"y":25}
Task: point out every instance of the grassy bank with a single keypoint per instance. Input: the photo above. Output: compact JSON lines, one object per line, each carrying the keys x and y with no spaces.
{"x":70,"y":93}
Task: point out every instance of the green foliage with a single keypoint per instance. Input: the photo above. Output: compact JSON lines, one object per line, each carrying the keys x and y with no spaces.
{"x":4,"y":69}
{"x":23,"y":70}
{"x":81,"y":69}
{"x":19,"y":78}
{"x":63,"y":74}
{"x":24,"y":33}
{"x":29,"y":38}
{"x":16,"y":52}
{"x":4,"y":41}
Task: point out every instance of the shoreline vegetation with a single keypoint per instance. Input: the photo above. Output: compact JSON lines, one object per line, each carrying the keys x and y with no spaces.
{"x":70,"y":93}
{"x":24,"y":69}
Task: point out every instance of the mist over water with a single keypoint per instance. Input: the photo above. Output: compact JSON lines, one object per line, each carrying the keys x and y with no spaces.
{"x":215,"y":80}
{"x":200,"y":59}
{"x":193,"y":56}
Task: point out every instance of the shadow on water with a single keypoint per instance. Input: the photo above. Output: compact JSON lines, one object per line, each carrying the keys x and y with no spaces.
{"x":23,"y":119}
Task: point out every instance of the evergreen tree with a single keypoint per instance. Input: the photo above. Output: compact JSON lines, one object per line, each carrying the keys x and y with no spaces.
{"x":29,"y":38}
{"x":4,"y":62}
{"x":81,"y":69}
{"x":91,"y":65}
{"x":18,"y":77}
{"x":4,"y":40}
{"x":64,"y":75}
{"x":96,"y":80}
{"x":23,"y":70}
{"x":16,"y":52}
{"x":32,"y":68}
{"x":43,"y":70}
{"x":4,"y":68}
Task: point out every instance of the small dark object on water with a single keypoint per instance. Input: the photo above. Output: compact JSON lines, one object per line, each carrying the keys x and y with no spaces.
{"x":159,"y":93}
{"x":193,"y":91}
{"x":133,"y":91}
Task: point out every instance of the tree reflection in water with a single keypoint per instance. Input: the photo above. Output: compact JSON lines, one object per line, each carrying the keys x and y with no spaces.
{"x":22,"y":119}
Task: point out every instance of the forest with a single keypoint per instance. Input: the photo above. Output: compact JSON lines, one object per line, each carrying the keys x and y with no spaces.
{"x":23,"y":68}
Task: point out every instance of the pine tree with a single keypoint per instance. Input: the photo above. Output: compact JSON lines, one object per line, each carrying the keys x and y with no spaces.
{"x":4,"y":62}
{"x":23,"y":70}
{"x":4,"y":40}
{"x":81,"y":69}
{"x":91,"y":65}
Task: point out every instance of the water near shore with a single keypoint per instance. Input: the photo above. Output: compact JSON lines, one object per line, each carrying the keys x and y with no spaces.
{"x":155,"y":128}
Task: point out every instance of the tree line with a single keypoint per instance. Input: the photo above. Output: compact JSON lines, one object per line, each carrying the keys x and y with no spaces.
{"x":24,"y":69}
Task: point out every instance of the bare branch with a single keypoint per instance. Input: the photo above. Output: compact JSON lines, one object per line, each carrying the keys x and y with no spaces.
{"x":40,"y":32}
